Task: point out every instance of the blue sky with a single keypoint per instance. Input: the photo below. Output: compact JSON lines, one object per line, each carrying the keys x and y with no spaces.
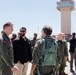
{"x":32,"y":14}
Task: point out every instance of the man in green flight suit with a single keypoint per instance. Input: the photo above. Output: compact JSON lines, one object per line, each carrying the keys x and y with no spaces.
{"x":33,"y":41}
{"x":6,"y":63}
{"x":64,"y":52}
{"x":39,"y":50}
{"x":1,"y":47}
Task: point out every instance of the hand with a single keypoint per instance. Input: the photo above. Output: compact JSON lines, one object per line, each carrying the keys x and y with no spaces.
{"x":31,"y":73}
{"x":28,"y":62}
{"x":19,"y":62}
{"x":15,"y":69}
{"x":59,"y":65}
{"x":65,"y":59}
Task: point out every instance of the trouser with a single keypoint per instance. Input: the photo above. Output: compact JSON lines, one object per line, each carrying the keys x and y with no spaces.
{"x":72,"y":56}
{"x":46,"y":70}
{"x":6,"y":70}
{"x":22,"y":68}
{"x":0,"y":72}
{"x":62,"y":68}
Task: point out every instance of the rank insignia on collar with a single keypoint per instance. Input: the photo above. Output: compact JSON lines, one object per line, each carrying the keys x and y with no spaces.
{"x":4,"y":41}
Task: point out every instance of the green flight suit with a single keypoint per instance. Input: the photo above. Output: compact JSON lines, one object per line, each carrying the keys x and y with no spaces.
{"x":64,"y":53}
{"x":1,"y":47}
{"x":44,"y":70}
{"x":33,"y":44}
{"x":6,"y":62}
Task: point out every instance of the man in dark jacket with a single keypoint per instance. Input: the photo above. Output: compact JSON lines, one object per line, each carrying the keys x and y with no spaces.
{"x":72,"y":51}
{"x":22,"y":52}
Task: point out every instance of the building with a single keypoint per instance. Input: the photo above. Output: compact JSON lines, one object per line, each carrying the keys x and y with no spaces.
{"x":66,"y":7}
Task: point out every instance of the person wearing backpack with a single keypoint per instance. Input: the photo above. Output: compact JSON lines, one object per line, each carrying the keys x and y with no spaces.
{"x":64,"y":52}
{"x":45,"y":54}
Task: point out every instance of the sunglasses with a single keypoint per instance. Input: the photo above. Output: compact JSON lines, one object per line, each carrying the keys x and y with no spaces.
{"x":22,"y":31}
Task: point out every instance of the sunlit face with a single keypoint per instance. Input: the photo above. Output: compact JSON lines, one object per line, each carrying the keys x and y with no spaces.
{"x":22,"y":32}
{"x":9,"y":29}
{"x":43,"y":34}
{"x":35,"y":36}
{"x":60,"y":37}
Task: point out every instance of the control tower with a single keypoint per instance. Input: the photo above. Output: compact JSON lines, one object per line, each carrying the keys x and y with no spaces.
{"x":65,"y":7}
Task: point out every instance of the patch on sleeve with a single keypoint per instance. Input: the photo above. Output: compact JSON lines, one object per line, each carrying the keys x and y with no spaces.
{"x":4,"y":41}
{"x":40,"y":41}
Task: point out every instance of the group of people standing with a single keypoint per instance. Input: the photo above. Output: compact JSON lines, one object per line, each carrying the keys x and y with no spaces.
{"x":17,"y":53}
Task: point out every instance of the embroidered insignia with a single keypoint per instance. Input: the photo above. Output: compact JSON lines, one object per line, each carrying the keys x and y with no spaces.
{"x":38,"y":42}
{"x":41,"y":40}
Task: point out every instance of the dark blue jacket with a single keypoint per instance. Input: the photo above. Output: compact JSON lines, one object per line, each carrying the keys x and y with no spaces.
{"x":72,"y":44}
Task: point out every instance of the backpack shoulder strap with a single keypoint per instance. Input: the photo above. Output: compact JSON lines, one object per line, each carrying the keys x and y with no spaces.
{"x":43,"y":49}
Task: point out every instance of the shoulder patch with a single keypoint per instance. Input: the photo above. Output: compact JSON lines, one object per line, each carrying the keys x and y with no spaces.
{"x":40,"y":41}
{"x":4,"y":41}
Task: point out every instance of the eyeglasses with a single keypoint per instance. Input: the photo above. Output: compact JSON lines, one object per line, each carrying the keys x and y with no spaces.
{"x":22,"y":31}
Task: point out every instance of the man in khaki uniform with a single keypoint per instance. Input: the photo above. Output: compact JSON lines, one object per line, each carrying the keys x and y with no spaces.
{"x":6,"y":63}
